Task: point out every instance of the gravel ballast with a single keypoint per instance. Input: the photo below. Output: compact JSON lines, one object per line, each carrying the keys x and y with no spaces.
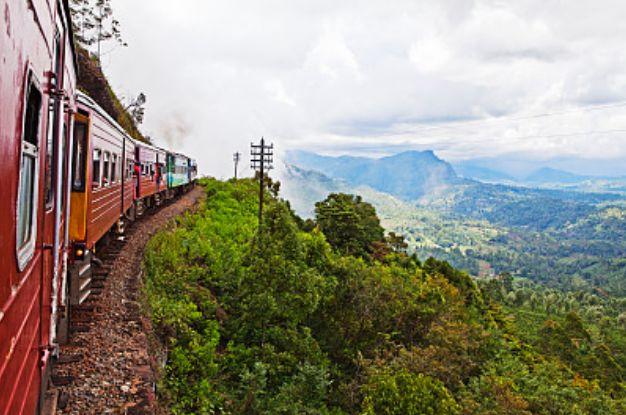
{"x":106,"y":366}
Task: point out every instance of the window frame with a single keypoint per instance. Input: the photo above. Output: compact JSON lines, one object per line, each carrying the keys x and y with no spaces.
{"x":80,"y":166}
{"x":26,"y":251}
{"x":106,"y":168}
{"x":113,"y":168}
{"x":96,"y":184}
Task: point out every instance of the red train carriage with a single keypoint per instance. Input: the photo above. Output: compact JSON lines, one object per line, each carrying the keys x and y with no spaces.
{"x":102,"y":187}
{"x":150,"y":170}
{"x":37,"y":81}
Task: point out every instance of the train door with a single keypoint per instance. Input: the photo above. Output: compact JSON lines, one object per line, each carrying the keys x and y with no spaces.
{"x":138,"y":170}
{"x":159,"y":171}
{"x":80,"y":186}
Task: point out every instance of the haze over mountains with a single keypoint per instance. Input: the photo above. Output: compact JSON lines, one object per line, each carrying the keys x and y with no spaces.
{"x":411,"y":175}
{"x":544,"y":228}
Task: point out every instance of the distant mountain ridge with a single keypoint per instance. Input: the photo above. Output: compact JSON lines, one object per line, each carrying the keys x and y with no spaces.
{"x":471,"y":171}
{"x":409,"y":175}
{"x":550,"y":175}
{"x":420,"y":178}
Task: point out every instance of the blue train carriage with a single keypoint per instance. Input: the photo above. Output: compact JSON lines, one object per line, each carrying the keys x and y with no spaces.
{"x":177,"y":173}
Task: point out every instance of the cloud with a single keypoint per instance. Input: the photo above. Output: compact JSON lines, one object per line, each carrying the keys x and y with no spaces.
{"x":469,"y":79}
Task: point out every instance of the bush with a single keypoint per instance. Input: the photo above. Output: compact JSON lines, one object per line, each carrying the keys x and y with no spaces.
{"x":405,"y":393}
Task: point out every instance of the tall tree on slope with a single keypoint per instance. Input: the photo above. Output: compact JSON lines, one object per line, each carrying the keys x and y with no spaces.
{"x":94,"y":24}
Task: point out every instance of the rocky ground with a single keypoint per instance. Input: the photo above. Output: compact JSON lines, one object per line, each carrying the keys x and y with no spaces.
{"x":106,"y":366}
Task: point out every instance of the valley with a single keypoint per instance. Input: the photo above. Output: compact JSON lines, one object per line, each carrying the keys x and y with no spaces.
{"x":565,"y":239}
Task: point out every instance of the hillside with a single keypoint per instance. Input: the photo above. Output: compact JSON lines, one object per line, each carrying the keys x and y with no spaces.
{"x":566,"y":240}
{"x":409,"y":175}
{"x":93,"y":82}
{"x":278,"y":321}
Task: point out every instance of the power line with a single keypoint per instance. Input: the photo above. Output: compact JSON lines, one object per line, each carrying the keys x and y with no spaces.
{"x":262,"y":160}
{"x":236,"y":159}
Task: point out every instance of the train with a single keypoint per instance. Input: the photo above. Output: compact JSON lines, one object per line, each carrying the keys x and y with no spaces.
{"x":72,"y":178}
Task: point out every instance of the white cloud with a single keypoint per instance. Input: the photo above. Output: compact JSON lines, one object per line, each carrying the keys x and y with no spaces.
{"x":377,"y":76}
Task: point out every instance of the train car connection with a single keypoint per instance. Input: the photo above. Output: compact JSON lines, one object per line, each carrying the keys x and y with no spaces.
{"x":37,"y":93}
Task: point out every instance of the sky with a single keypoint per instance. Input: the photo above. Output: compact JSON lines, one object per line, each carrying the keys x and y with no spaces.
{"x":469,"y":79}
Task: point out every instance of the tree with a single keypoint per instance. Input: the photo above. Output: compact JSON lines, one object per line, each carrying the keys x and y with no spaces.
{"x":350,"y":225}
{"x":136,"y":108}
{"x":93,"y":23}
{"x":106,"y":26}
{"x":83,"y":21}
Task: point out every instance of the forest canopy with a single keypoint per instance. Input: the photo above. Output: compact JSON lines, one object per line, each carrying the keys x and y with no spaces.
{"x":294,"y":317}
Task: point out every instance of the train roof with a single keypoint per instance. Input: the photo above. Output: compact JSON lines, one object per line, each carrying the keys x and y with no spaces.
{"x":87,"y":101}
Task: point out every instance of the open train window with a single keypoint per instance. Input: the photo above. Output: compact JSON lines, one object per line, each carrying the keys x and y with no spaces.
{"x":79,"y":156}
{"x":95,"y":180}
{"x":113,"y":168}
{"x":106,"y":164}
{"x":28,"y":179}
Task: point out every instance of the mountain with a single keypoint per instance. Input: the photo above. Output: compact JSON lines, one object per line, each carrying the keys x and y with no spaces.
{"x":409,"y":175}
{"x":522,"y":165}
{"x":421,"y":179}
{"x":303,"y":188}
{"x":485,"y":174}
{"x":550,"y":175}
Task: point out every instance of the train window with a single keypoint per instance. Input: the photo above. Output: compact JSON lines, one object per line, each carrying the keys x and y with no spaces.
{"x":106,"y":173}
{"x":78,"y":157}
{"x":114,"y":168}
{"x":27,"y":190}
{"x":96,"y":168}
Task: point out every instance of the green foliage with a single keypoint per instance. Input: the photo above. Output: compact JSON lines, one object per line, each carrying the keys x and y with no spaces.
{"x":406,"y":393}
{"x":350,"y":224}
{"x":277,"y":320}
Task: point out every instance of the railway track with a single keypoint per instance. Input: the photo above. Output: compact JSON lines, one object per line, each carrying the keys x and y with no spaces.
{"x":105,"y":368}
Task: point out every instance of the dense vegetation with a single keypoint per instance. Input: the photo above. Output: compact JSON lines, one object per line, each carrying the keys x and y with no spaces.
{"x":277,"y":320}
{"x":585,"y":254}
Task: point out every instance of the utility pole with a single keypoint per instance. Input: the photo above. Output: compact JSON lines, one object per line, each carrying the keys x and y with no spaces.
{"x":236,"y":159}
{"x":262,"y":159}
